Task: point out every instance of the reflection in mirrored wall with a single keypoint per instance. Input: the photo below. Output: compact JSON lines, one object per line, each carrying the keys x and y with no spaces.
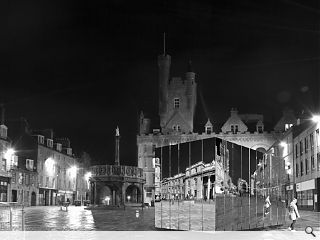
{"x":213,"y":184}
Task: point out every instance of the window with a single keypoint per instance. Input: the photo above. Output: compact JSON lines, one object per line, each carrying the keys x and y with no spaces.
{"x":312,"y":161}
{"x":27,"y":179}
{"x":297,"y":151}
{"x":178,"y":128}
{"x":260,"y":129}
{"x":297,"y":170}
{"x":176,"y":103}
{"x":69,"y":151}
{"x":49,"y":143}
{"x":29,"y":164}
{"x":40,"y":139}
{"x":317,"y":138}
{"x":301,"y":168}
{"x":4,"y":164}
{"x":306,"y":165}
{"x":311,"y":142}
{"x":301,"y":148}
{"x":318,"y":161}
{"x":234,"y":128}
{"x":306,"y":144}
{"x":3,"y":131}
{"x":59,"y":147}
{"x":145,"y":163}
{"x":174,"y":127}
{"x":208,"y":130}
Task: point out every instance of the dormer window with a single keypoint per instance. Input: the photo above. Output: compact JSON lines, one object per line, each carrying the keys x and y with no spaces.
{"x":260,"y":129}
{"x":208,"y":130}
{"x":69,"y":151}
{"x":287,"y":126}
{"x":176,"y":102}
{"x":40,"y":139}
{"x":59,"y":147}
{"x":49,"y":143}
{"x":3,"y":131}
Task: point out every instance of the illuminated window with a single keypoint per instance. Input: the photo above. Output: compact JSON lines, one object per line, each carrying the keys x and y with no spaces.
{"x":176,"y":103}
{"x":29,"y":164}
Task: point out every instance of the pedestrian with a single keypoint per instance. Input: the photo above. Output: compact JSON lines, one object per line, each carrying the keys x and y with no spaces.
{"x":267,"y":205}
{"x":293,"y":213}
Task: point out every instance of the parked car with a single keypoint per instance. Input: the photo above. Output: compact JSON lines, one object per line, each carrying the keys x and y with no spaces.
{"x":77,"y":203}
{"x":86,"y":202}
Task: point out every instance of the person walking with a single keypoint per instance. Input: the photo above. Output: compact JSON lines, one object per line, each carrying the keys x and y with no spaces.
{"x":267,"y":205}
{"x":293,"y":213}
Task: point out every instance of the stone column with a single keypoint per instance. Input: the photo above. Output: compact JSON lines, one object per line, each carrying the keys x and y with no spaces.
{"x":113,"y":197}
{"x":209,"y":187}
{"x":124,"y":193}
{"x":95,"y":193}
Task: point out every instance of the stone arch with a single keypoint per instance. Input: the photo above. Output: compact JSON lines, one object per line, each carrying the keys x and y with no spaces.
{"x":133,"y":194}
{"x":260,"y":147}
{"x":33,"y":199}
{"x":109,"y":194}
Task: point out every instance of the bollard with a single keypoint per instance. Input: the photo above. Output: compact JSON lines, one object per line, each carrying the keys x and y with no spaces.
{"x":22,"y":211}
{"x":10,"y":218}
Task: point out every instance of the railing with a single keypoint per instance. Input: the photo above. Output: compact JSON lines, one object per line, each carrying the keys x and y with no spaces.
{"x":117,"y":171}
{"x":12,"y":216}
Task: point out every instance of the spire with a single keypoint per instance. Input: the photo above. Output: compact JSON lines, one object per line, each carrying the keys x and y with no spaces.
{"x":117,"y":150}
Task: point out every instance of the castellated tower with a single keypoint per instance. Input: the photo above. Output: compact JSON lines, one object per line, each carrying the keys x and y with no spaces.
{"x":177,"y":99}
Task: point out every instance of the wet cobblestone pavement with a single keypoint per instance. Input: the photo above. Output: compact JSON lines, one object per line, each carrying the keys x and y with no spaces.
{"x":51,"y":218}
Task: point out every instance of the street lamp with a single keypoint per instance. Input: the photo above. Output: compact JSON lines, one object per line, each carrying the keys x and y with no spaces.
{"x":316,"y":118}
{"x":9,"y":153}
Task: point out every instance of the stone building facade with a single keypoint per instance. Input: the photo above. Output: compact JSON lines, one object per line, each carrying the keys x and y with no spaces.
{"x":6,"y":160}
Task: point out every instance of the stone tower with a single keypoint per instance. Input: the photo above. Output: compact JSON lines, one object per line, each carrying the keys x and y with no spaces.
{"x":177,"y":99}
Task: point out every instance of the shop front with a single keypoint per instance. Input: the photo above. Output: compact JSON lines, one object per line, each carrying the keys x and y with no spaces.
{"x":307,"y":195}
{"x":4,"y":181}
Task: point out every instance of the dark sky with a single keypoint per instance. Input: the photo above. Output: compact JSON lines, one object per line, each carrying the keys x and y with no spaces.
{"x":84,"y":68}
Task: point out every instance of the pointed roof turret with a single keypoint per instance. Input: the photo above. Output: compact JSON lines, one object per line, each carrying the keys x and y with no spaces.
{"x":208,"y":124}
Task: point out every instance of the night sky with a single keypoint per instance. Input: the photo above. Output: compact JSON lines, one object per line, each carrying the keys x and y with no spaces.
{"x":84,"y":68}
